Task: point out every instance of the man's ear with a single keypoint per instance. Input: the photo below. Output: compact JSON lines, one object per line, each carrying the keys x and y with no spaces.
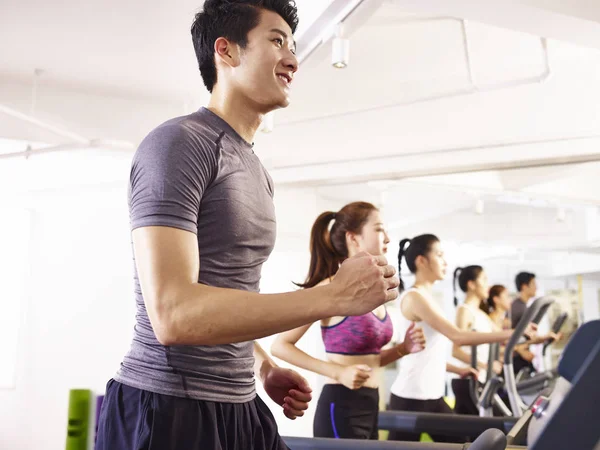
{"x":227,"y":52}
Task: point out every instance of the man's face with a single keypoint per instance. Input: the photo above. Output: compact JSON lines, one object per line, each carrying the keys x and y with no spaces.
{"x":267,"y":64}
{"x":532,"y":288}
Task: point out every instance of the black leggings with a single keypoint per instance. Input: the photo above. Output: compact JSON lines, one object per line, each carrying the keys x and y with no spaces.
{"x":413,"y":405}
{"x":343,"y":413}
{"x":462,"y":393}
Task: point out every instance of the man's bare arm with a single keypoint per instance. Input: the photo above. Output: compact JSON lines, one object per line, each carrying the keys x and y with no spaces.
{"x":184,"y":312}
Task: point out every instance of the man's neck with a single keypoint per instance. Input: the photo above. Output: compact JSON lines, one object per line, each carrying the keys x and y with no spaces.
{"x":523,"y":297}
{"x":239,"y":115}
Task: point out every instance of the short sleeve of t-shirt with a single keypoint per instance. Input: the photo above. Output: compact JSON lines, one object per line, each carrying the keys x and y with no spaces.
{"x":170,"y":172}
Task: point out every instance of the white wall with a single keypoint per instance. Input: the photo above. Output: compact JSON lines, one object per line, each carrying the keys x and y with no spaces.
{"x":591,"y":298}
{"x":78,"y":309}
{"x":77,"y":314}
{"x":296,"y":212}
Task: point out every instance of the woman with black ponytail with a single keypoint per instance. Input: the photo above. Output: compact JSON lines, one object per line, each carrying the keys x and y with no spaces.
{"x":349,"y":403}
{"x":420,"y":383}
{"x":473,"y":281}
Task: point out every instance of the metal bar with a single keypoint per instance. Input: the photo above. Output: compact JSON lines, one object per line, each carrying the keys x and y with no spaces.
{"x":44,"y":125}
{"x":499,"y":403}
{"x":111,"y":145}
{"x":322,"y":29}
{"x":516,"y":403}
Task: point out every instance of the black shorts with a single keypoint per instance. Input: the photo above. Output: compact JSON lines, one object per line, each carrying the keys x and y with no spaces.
{"x":414,"y":405}
{"x":344,"y":413}
{"x":134,"y":419}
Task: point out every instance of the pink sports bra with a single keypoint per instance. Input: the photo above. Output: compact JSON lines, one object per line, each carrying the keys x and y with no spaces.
{"x":358,"y":335}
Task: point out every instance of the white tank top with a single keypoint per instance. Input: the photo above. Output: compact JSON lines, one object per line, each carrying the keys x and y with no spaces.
{"x":482,"y":324}
{"x":422,"y":375}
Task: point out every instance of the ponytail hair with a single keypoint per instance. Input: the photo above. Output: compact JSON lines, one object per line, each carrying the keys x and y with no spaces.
{"x":464,"y":275}
{"x":328,"y":248}
{"x":401,"y":251}
{"x":417,"y":246}
{"x":454,"y":279}
{"x":490,"y":305}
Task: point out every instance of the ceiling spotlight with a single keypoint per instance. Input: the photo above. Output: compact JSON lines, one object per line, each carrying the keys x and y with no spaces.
{"x":340,"y":51}
{"x":479,"y":206}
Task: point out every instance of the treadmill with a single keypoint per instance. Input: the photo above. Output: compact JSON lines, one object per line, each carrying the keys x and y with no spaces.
{"x":487,"y":398}
{"x":562,"y":421}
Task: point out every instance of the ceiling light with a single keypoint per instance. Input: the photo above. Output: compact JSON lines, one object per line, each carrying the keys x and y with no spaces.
{"x":340,"y":50}
{"x":479,"y":206}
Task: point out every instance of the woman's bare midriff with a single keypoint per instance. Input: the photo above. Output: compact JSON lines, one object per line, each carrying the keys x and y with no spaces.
{"x":352,"y":360}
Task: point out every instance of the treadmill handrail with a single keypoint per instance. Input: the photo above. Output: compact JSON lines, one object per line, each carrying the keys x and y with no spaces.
{"x":516,"y":404}
{"x":494,"y":348}
{"x":530,"y":312}
{"x":540,"y":314}
{"x":447,"y":424}
{"x":538,"y":381}
{"x":556,"y":326}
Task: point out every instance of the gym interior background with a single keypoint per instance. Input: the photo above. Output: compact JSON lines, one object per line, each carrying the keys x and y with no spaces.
{"x":479,"y":123}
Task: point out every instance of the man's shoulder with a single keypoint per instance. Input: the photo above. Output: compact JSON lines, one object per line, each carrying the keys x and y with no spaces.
{"x":189,"y":132}
{"x":191,"y":125}
{"x":518,"y":305}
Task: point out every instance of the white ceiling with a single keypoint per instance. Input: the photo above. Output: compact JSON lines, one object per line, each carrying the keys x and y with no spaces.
{"x":126,"y":48}
{"x":132,"y":48}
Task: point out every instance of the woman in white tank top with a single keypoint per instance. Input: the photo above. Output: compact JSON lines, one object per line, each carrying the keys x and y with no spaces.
{"x":473,"y":281}
{"x":419,"y":386}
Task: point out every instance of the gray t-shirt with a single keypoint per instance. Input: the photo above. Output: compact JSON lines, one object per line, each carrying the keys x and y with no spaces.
{"x":517,"y":309}
{"x":197,"y":174}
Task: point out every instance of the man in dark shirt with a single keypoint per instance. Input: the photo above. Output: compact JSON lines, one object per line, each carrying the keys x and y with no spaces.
{"x":527,"y":287}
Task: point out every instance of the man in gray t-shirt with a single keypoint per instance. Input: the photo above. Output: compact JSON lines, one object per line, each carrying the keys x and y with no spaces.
{"x":203,"y":223}
{"x":527,"y":288}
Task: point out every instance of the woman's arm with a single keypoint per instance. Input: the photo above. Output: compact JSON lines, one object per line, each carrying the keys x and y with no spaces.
{"x":464,"y":322}
{"x":421,"y":307}
{"x":462,"y":371}
{"x":461,"y":355}
{"x":284,"y":347}
{"x":414,"y":341}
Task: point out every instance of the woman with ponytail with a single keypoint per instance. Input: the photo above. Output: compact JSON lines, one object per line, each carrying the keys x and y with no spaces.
{"x":420,"y":382}
{"x":471,"y":315}
{"x":349,"y":403}
{"x":497,"y":306}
